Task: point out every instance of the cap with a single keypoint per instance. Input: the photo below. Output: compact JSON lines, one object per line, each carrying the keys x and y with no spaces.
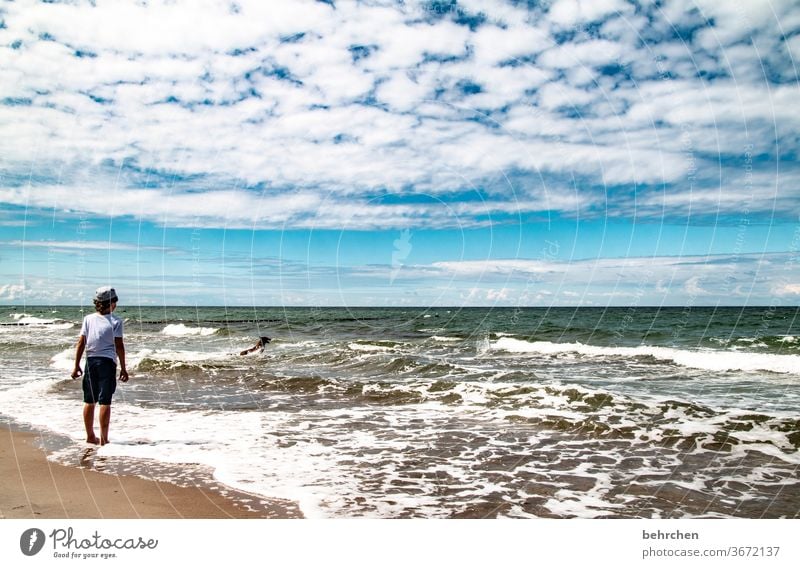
{"x":105,"y":294}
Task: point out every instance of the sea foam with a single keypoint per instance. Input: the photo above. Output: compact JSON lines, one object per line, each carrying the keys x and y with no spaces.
{"x":367,"y":347}
{"x":178,"y":329}
{"x":25,"y":319}
{"x":63,"y":360}
{"x":701,"y":359}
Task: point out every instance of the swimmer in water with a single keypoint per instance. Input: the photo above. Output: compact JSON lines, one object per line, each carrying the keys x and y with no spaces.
{"x":260,"y":345}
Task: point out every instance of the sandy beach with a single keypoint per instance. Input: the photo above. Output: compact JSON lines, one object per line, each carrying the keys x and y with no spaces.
{"x":33,"y":487}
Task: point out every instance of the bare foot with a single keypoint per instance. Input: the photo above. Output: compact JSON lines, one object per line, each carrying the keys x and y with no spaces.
{"x":93,"y":440}
{"x":104,"y":442}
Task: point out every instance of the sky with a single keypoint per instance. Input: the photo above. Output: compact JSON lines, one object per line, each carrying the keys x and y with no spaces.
{"x":380,"y":153}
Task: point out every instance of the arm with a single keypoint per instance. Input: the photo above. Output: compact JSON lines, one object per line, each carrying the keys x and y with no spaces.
{"x":79,"y":348}
{"x":119,"y":345}
{"x":253,"y":348}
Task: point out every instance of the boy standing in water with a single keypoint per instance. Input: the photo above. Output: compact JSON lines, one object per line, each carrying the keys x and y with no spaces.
{"x":101,"y":338}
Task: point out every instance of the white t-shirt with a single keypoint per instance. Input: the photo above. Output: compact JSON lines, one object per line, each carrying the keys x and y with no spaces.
{"x":100,"y":332}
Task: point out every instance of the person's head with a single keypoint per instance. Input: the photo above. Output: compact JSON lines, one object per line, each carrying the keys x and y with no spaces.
{"x":262,"y":341}
{"x":105,"y":299}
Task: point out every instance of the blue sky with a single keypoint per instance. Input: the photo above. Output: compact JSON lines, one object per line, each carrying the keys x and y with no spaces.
{"x":400,"y":153}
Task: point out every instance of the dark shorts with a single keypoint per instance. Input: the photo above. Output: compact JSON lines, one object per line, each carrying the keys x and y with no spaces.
{"x":99,"y":380}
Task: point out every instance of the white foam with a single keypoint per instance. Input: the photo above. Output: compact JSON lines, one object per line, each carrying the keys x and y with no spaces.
{"x":250,"y":460}
{"x":444,"y":338}
{"x":25,"y":319}
{"x":367,"y":347}
{"x":63,"y":360}
{"x":307,"y":455}
{"x":285,"y":345}
{"x":544,"y":413}
{"x":471,"y":394}
{"x":180,"y":356}
{"x":709,"y":360}
{"x":179,"y":329}
{"x":245,"y":451}
{"x":740,"y":451}
{"x":568,"y":503}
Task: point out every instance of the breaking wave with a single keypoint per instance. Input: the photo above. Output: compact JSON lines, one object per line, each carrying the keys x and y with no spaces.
{"x":710,"y":360}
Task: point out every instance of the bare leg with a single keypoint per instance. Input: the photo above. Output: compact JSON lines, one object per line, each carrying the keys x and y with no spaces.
{"x":88,"y":422}
{"x":105,"y":421}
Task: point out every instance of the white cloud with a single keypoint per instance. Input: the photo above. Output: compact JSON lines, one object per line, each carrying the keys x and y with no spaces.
{"x":657,"y":270}
{"x":509,"y":266}
{"x":657,"y":280}
{"x":496,"y":295}
{"x":588,"y":53}
{"x":735,"y":21}
{"x":405,"y":46}
{"x":341,"y":105}
{"x":788,"y":290}
{"x":793,"y":44}
{"x":35,"y":291}
{"x":169,"y":27}
{"x":494,"y":45}
{"x":571,"y":12}
{"x":555,"y":95}
{"x":11,"y":292}
{"x":76,"y":245}
{"x":234,"y":208}
{"x":401,"y":93}
{"x":693,"y":287}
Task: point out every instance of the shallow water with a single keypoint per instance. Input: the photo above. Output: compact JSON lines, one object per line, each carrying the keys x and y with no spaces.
{"x":445,"y":413}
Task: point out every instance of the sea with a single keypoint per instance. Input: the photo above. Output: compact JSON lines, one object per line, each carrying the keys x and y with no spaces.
{"x":680,"y":412}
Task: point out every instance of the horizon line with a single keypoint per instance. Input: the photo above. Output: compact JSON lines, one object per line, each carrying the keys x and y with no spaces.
{"x":278,"y":306}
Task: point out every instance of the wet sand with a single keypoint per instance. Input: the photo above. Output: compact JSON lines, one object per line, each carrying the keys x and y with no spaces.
{"x":34,"y":487}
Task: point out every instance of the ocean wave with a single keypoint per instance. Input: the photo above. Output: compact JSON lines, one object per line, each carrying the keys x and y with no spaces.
{"x":148,"y":360}
{"x":158,"y":357}
{"x":374,"y":346}
{"x":445,"y":338}
{"x":390,"y":394}
{"x":154,"y":366}
{"x":28,"y":320}
{"x":328,"y":457}
{"x":179,"y":329}
{"x":484,"y":345}
{"x":779,"y":342}
{"x":709,"y":360}
{"x":572,"y":409}
{"x":367,"y":347}
{"x":63,"y":360}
